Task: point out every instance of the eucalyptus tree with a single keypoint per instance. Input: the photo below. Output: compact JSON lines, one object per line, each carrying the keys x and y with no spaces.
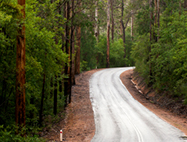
{"x":108,"y":35}
{"x":20,"y":70}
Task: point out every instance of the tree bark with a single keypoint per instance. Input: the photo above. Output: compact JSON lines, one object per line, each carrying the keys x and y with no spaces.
{"x":112,"y":18}
{"x":150,"y":36}
{"x":77,"y":57}
{"x":180,"y":8}
{"x":78,"y":43}
{"x":42,"y":100}
{"x":155,"y":20}
{"x":132,"y":25}
{"x":108,"y":35}
{"x":123,"y":37}
{"x":185,"y":4}
{"x":66,"y":80}
{"x":20,"y":72}
{"x":158,"y":18}
{"x":73,"y":57}
{"x":123,"y":28}
{"x":96,"y":21}
{"x":55,"y":97}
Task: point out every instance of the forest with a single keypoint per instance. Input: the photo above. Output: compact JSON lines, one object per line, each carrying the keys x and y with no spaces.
{"x":45,"y":43}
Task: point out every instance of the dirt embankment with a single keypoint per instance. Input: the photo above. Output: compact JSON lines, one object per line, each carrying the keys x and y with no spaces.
{"x":78,"y":125}
{"x":163,"y":105}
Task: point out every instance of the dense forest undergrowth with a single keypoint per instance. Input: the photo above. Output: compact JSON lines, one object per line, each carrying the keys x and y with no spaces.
{"x":66,"y":37}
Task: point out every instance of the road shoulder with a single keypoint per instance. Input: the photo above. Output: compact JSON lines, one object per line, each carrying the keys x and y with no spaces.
{"x":179,"y":121}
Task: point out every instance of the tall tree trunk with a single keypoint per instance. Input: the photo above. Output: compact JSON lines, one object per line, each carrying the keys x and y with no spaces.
{"x":61,"y":6}
{"x":77,"y":57}
{"x":158,"y":18}
{"x":123,"y":28}
{"x":73,"y":57}
{"x":185,"y":4}
{"x":132,"y":25}
{"x":66,"y":80}
{"x":70,"y":53}
{"x":78,"y":43}
{"x":112,"y":18}
{"x":108,"y":35}
{"x":96,"y":21}
{"x":52,"y":88}
{"x":180,"y":8}
{"x":42,"y":100}
{"x":20,"y":72}
{"x":55,"y":97}
{"x":150,"y":36}
{"x":150,"y":23}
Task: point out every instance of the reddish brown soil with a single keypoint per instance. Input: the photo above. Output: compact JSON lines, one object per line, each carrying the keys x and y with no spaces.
{"x":79,"y":125}
{"x":160,"y":109}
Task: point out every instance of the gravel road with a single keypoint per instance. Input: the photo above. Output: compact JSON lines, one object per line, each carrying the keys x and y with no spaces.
{"x":120,"y":118}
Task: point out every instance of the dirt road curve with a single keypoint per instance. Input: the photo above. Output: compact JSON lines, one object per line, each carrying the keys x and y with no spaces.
{"x":120,"y":118}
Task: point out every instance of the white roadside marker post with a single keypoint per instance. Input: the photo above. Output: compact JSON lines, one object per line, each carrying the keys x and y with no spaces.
{"x":61,"y":135}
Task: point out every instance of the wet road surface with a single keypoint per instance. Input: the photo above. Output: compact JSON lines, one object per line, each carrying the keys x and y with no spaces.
{"x":120,"y":118}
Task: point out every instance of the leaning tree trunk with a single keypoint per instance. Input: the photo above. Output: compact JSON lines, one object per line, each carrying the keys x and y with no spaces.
{"x":108,"y":35}
{"x":20,"y":72}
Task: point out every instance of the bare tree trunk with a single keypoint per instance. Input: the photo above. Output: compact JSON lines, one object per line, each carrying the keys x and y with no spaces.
{"x":185,"y":4}
{"x":66,"y":80}
{"x":70,"y":52}
{"x":20,"y":72}
{"x":150,"y":32}
{"x":180,"y":7}
{"x":42,"y":100}
{"x":158,"y":18}
{"x":155,"y":20}
{"x":150,"y":24}
{"x":77,"y":57}
{"x":123,"y":37}
{"x":61,"y":8}
{"x":108,"y":35}
{"x":52,"y":88}
{"x":55,"y":97}
{"x":78,"y":43}
{"x":132,"y":26}
{"x":112,"y":18}
{"x":123,"y":28}
{"x":73,"y":57}
{"x":96,"y":20}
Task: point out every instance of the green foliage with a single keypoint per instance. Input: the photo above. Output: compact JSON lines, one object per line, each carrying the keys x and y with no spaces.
{"x":8,"y":134}
{"x":143,"y":21}
{"x":43,"y":56}
{"x":167,"y":62}
{"x":117,"y":54}
{"x":88,"y":49}
{"x":8,"y":26}
{"x":140,"y":53}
